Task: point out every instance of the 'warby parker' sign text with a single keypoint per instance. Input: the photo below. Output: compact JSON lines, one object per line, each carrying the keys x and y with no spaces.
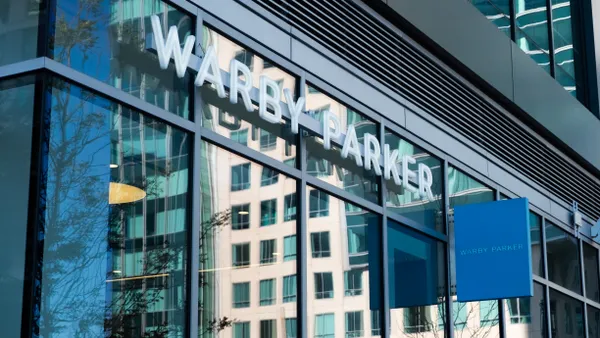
{"x":270,"y":109}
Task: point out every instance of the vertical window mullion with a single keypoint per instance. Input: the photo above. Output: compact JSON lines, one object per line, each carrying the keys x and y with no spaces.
{"x":194,"y":250}
{"x":446,"y":217}
{"x":512,"y":20}
{"x":550,"y":38}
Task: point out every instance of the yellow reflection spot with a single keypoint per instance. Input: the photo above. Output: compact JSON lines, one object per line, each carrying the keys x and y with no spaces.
{"x":119,"y":193}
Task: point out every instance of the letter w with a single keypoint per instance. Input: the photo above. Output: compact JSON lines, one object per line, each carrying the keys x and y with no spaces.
{"x":171,"y":47}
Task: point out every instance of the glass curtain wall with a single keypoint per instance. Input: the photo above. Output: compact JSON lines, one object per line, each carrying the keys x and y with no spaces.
{"x":472,"y":319}
{"x":16,"y":131}
{"x":247,"y":275}
{"x":344,"y":287}
{"x":115,"y":209}
{"x":548,"y":31}
{"x":106,"y":39}
{"x":115,"y":220}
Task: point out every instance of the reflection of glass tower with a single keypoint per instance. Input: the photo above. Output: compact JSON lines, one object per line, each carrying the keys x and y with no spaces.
{"x":541,"y":40}
{"x":132,"y":68}
{"x":147,"y":238}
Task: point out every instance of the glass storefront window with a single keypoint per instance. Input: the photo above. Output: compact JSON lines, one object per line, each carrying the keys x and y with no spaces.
{"x":232,"y":120}
{"x":593,"y":321}
{"x":532,"y":30}
{"x":328,"y":165}
{"x":480,"y":318}
{"x":16,"y":126}
{"x":566,"y":316}
{"x":19,"y":22}
{"x":115,"y":221}
{"x":526,"y":317}
{"x":265,"y":258}
{"x":537,"y":255}
{"x":417,"y":281}
{"x":592,"y":277}
{"x":107,"y":40}
{"x":409,"y":204}
{"x":562,"y":254}
{"x":344,"y":280}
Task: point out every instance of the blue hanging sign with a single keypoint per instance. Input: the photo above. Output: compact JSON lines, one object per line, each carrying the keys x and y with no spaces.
{"x":493,"y":250}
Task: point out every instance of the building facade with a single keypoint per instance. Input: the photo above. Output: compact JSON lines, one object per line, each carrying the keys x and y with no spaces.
{"x":141,"y":203}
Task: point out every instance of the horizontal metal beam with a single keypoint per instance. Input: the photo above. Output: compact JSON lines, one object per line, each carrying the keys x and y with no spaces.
{"x":20,"y":68}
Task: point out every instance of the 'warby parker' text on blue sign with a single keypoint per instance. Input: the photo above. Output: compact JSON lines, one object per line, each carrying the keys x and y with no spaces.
{"x":493,"y":250}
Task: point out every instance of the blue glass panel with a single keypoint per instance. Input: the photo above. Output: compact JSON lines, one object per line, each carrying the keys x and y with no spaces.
{"x":416,"y":266}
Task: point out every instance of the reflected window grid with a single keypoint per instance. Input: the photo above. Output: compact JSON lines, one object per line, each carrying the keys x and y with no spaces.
{"x":323,"y":285}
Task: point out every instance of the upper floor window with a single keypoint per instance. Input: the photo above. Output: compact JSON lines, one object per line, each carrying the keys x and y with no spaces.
{"x":320,"y":244}
{"x":323,"y":285}
{"x":245,"y":57}
{"x":240,"y":177}
{"x":269,"y":176}
{"x":554,"y":46}
{"x":241,"y":255}
{"x":319,"y":204}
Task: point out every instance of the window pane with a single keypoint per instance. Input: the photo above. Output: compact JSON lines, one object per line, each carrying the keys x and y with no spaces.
{"x":289,"y":248}
{"x":325,"y":325}
{"x":267,"y":292}
{"x":590,"y":256}
{"x":240,"y":217}
{"x":497,"y":11}
{"x":537,"y":258}
{"x":412,"y":205}
{"x":340,"y":281}
{"x":526,"y":317}
{"x":289,"y":208}
{"x":240,"y":136}
{"x":532,"y":30}
{"x":268,"y":250}
{"x":19,"y":30}
{"x":268,"y":177}
{"x":241,"y":330}
{"x":319,"y":242}
{"x":416,"y":266}
{"x":289,"y":288}
{"x":240,"y":177}
{"x":291,"y":328}
{"x":563,"y":258}
{"x":566,"y":314}
{"x":354,"y":324}
{"x":122,"y":178}
{"x":16,"y":119}
{"x":328,"y":165}
{"x":241,"y":295}
{"x":376,"y":323}
{"x":566,"y":80}
{"x":353,"y":283}
{"x":593,"y":322}
{"x":318,"y":204}
{"x":323,"y":285}
{"x":274,"y":140}
{"x":463,"y":190}
{"x":566,"y":54}
{"x":268,"y":212}
{"x":108,"y":42}
{"x":265,"y":257}
{"x":268,"y":328}
{"x":240,"y":255}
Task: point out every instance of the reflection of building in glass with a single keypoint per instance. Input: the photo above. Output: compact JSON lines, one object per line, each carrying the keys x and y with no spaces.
{"x":278,"y":237}
{"x":542,"y":41}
